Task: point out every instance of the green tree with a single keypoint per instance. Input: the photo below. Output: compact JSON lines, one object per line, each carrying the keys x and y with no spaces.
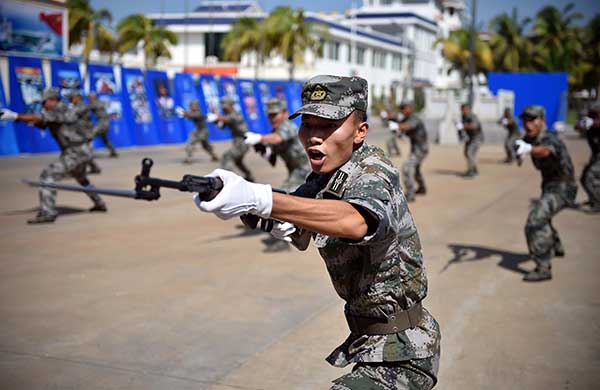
{"x":246,"y":35}
{"x":591,"y":41}
{"x":455,"y":49}
{"x":138,"y":28}
{"x":87,"y":27}
{"x":511,"y":49}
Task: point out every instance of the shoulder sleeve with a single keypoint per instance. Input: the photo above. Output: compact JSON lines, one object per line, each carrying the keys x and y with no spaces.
{"x":55,"y":116}
{"x":287,"y":132}
{"x":413,"y":123}
{"x":552,"y":143}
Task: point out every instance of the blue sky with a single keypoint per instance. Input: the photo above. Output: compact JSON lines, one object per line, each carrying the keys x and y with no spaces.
{"x":487,"y":9}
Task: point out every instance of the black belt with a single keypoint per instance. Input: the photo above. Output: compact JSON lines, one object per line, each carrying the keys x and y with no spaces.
{"x":396,"y":322}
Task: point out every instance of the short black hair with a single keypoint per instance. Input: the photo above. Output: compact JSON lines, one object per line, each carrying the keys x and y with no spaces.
{"x":360,"y":116}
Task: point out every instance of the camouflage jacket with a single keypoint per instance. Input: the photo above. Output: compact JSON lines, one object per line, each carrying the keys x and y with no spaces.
{"x":84,"y":119}
{"x":98,"y":108}
{"x":198,"y":118}
{"x":383,"y":273}
{"x":593,"y":138}
{"x":290,"y":149}
{"x":476,"y":132}
{"x":63,"y":124}
{"x":511,"y":126}
{"x":416,"y":133}
{"x":236,"y":123}
{"x":557,"y":169}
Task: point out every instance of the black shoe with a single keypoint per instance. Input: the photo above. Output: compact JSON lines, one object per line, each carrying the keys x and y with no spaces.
{"x":187,"y":160}
{"x":114,"y":155}
{"x":559,"y":251}
{"x":214,"y":159}
{"x":98,"y":208}
{"x":42,"y":218}
{"x":421,"y":191}
{"x":95,"y":171}
{"x":470,"y":174}
{"x":539,"y":274}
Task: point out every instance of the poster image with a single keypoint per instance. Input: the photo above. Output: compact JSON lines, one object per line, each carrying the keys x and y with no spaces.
{"x":138,"y":98}
{"x":164,"y":102}
{"x":31,"y":85}
{"x":104,"y":83}
{"x":68,"y":81}
{"x":211,"y":95}
{"x":249,"y":99}
{"x":230,"y":90}
{"x":113,"y":107}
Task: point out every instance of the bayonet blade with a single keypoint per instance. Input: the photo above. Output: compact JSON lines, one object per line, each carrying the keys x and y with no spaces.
{"x":88,"y":189}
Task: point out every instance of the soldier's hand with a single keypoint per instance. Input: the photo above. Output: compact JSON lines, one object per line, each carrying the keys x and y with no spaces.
{"x":282,"y":230}
{"x":523,"y":147}
{"x":459,"y":126}
{"x":8,"y":115}
{"x":238,"y":197}
{"x":393,"y":126}
{"x":211,"y":117}
{"x":252,"y":138}
{"x":180,"y":112}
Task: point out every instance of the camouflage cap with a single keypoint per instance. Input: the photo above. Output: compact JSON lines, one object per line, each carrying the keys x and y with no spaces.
{"x":50,"y":93}
{"x":226,"y":100}
{"x":405,"y":103}
{"x":333,"y":97}
{"x":276,"y":105}
{"x":92,"y":94}
{"x":533,"y":112}
{"x":74,"y":93}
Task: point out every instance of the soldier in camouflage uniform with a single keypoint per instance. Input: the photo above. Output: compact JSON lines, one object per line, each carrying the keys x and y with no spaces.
{"x":512,"y":128}
{"x":474,"y":138}
{"x":199,"y":135}
{"x":85,"y":124}
{"x":590,"y":178}
{"x":98,"y":108}
{"x":413,"y":127}
{"x":234,"y":157}
{"x":391,"y":144}
{"x":550,"y":156}
{"x":74,"y":156}
{"x":353,"y":207}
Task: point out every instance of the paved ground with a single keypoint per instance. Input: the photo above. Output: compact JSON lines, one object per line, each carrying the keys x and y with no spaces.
{"x":159,"y":296}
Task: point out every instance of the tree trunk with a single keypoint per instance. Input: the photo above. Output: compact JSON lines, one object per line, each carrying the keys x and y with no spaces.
{"x":292,"y":69}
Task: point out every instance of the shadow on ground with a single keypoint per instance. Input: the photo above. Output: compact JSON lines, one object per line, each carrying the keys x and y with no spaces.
{"x":449,"y":172}
{"x":62,"y":210}
{"x":469,"y":253}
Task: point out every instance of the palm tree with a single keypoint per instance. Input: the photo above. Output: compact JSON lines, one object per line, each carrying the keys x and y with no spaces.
{"x":289,"y":35}
{"x":455,"y":49}
{"x":591,"y":40}
{"x":138,"y":28}
{"x":246,"y":35}
{"x":510,"y":48}
{"x":87,"y":25}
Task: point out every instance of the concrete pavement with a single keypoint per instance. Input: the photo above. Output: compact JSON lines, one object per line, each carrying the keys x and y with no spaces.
{"x":159,"y":296}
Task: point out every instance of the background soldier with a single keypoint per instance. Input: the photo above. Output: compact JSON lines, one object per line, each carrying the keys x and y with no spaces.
{"x":549,"y":155}
{"x":84,"y":122}
{"x":98,"y":108}
{"x":391,"y":144}
{"x":413,"y":127}
{"x":199,"y":135}
{"x":74,"y":156}
{"x":590,"y":178}
{"x":471,"y":128}
{"x":354,"y":208}
{"x":512,"y":128}
{"x":234,"y":157}
{"x":285,"y":143}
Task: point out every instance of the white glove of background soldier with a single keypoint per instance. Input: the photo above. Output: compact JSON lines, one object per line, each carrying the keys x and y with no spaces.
{"x":459,"y":126}
{"x":238,"y":197}
{"x":393,"y":126}
{"x":523,"y":147}
{"x":282,"y":230}
{"x":180,"y":112}
{"x":211,"y":117}
{"x":252,"y":138}
{"x":8,"y":115}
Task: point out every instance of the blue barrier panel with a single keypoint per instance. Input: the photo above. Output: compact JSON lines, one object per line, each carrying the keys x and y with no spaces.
{"x":251,"y":107}
{"x":185,"y":92}
{"x":208,"y":92}
{"x":8,"y":138}
{"x":102,"y":81}
{"x":228,"y":87}
{"x":545,"y":89}
{"x":26,"y":87}
{"x":264,"y":92}
{"x":66,"y":77}
{"x":290,"y":92}
{"x":162,"y":105}
{"x":137,"y":108}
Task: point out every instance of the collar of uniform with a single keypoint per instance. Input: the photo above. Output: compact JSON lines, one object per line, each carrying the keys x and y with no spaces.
{"x":337,"y":183}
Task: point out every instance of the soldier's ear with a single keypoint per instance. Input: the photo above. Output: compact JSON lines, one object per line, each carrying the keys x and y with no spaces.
{"x":361,"y":132}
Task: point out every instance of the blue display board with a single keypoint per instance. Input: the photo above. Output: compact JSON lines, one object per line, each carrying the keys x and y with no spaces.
{"x":185,"y":92}
{"x":208,"y":92}
{"x":545,"y":89}
{"x":252,"y":106}
{"x":26,"y":87}
{"x":291,"y":91}
{"x":162,"y":105}
{"x":264,"y":92}
{"x":66,"y":77}
{"x":137,"y":107}
{"x":8,"y":138}
{"x":102,"y":81}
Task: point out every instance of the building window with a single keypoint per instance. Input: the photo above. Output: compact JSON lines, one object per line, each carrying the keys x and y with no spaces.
{"x":333,"y":51}
{"x":397,"y":62}
{"x":212,"y":43}
{"x":349,"y":51}
{"x":379,"y":58}
{"x":360,"y":55}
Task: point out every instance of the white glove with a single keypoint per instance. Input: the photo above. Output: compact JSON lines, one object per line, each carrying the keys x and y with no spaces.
{"x":238,"y":197}
{"x":393,"y":126}
{"x":211,"y":117}
{"x":523,"y":147}
{"x":459,"y":126}
{"x":180,"y":112}
{"x":282,"y":230}
{"x":252,"y":138}
{"x":8,"y":115}
{"x":504,"y":121}
{"x":586,"y":122}
{"x":383,"y":115}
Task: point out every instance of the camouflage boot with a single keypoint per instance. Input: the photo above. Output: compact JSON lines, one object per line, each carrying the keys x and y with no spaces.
{"x":539,"y":274}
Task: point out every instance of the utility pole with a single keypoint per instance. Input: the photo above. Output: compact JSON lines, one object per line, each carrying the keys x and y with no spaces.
{"x":472,"y":52}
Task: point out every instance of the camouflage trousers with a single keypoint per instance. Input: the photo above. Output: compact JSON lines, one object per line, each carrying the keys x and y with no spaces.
{"x":199,"y":137}
{"x":101,"y":130}
{"x":416,"y":374}
{"x":412,"y":168}
{"x":234,"y":158}
{"x":590,"y":180}
{"x":72,"y":163}
{"x":509,"y":148}
{"x":542,"y":237}
{"x":392,"y":147}
{"x":471,"y":149}
{"x":295,"y":179}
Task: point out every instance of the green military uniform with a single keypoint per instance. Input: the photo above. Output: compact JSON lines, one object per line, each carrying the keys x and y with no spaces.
{"x":234,"y":157}
{"x":473,"y":142}
{"x":98,"y":108}
{"x":590,"y":178}
{"x":512,"y":128}
{"x":558,"y":191}
{"x":73,"y":140}
{"x":86,"y":126}
{"x":418,"y":151}
{"x":381,"y":277}
{"x":391,"y":144}
{"x":199,"y":135}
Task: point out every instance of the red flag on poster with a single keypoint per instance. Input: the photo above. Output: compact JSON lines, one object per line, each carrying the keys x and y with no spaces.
{"x":54,"y":21}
